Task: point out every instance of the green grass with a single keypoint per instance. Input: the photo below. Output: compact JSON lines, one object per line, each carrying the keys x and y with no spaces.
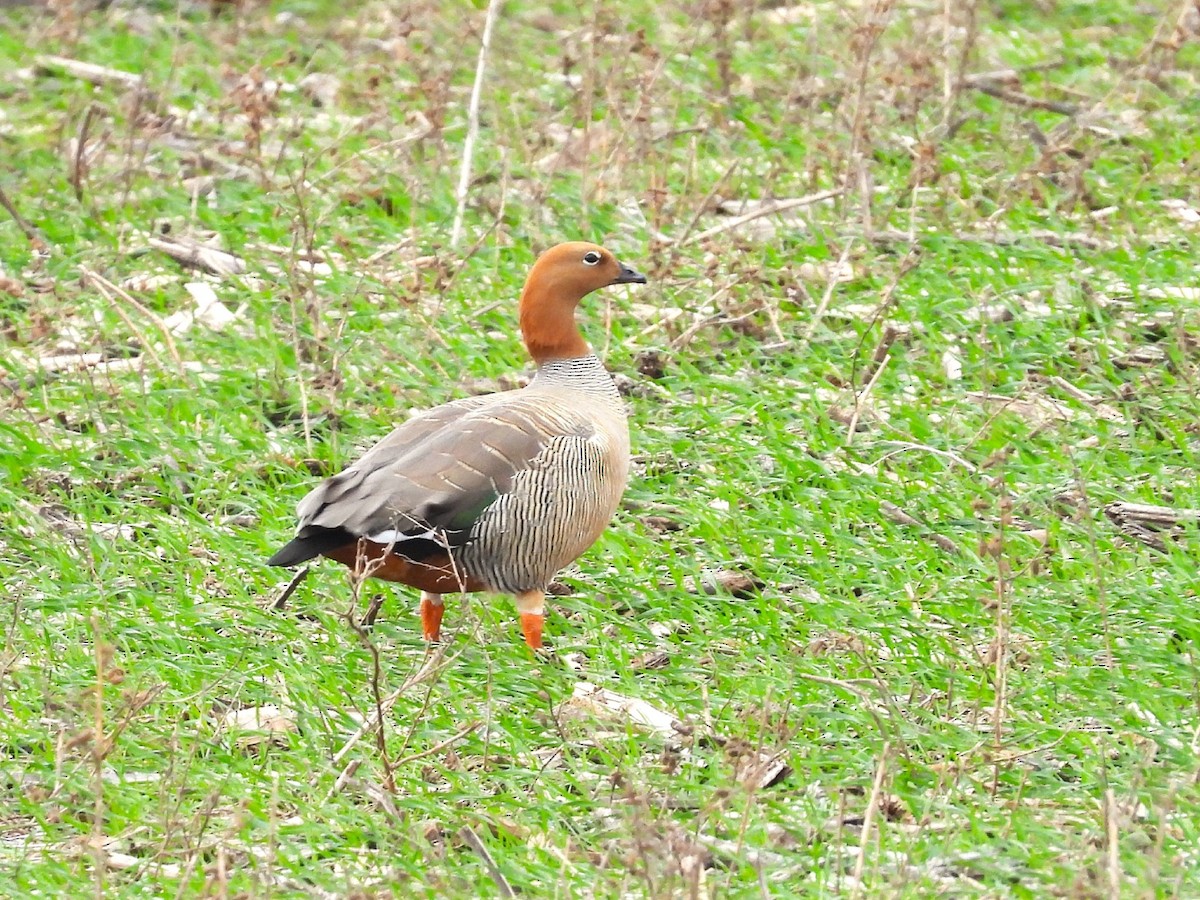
{"x":1014,"y":719}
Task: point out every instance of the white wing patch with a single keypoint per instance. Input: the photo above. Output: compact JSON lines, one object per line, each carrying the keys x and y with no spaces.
{"x":393,"y":536}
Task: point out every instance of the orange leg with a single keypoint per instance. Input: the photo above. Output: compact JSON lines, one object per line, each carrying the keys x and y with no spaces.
{"x":431,"y":615}
{"x":532,"y":607}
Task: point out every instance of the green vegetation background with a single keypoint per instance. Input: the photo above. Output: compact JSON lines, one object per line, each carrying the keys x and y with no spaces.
{"x":991,"y":329}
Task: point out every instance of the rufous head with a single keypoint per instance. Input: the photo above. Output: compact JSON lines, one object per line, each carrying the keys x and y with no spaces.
{"x":561,"y":277}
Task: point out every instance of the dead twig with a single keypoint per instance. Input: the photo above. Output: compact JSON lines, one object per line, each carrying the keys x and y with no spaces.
{"x":869,"y":819}
{"x":101,"y":76}
{"x":32,"y":234}
{"x":900,"y":517}
{"x":471,"y":839}
{"x":1013,"y":75}
{"x":283,"y":598}
{"x":1149,"y":524}
{"x":718,"y":318}
{"x":1001,"y":238}
{"x":438,"y":747}
{"x":464,"y":175}
{"x":430,"y":667}
{"x":79,"y":163}
{"x":882,"y":349}
{"x":197,"y":256}
{"x":111,"y":292}
{"x":830,"y":286}
{"x":861,"y":398}
{"x":682,"y":240}
{"x":343,"y":778}
{"x":904,"y":446}
{"x":992,"y":89}
{"x":766,"y":210}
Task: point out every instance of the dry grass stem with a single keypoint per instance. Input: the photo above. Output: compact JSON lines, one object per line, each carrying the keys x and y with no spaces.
{"x":899,"y":516}
{"x":830,"y":286}
{"x":112,"y":292}
{"x":860,"y":399}
{"x":868,"y":824}
{"x":32,"y":234}
{"x":1008,"y":95}
{"x":778,"y":206}
{"x":471,"y":839}
{"x":440,"y":746}
{"x":1112,"y":845}
{"x":464,"y":174}
{"x":281,"y":601}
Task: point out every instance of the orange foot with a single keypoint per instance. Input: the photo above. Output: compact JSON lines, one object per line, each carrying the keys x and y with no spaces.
{"x":431,"y":616}
{"x":532,"y":607}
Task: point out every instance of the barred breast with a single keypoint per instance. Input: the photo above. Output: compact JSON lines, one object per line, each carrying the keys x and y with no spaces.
{"x":560,"y":503}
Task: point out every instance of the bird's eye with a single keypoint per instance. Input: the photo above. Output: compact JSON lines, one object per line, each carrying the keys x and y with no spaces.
{"x":591,"y":258}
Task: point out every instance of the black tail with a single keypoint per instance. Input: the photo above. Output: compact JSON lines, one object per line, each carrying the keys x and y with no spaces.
{"x":313,"y":542}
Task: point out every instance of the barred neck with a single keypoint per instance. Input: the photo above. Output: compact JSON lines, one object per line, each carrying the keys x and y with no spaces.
{"x":580,"y":373}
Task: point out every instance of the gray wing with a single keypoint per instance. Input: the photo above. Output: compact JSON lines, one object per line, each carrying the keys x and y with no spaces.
{"x":440,"y":471}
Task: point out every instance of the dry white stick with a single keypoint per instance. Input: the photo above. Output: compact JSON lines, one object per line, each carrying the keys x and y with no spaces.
{"x":432,"y":664}
{"x":344,"y":778}
{"x":862,"y":398}
{"x":89,"y":72}
{"x":111,"y":292}
{"x":902,"y":446}
{"x":637,"y":711}
{"x":1113,"y":857}
{"x":1149,"y":514}
{"x":197,"y":256}
{"x":471,"y":839}
{"x":831,"y":284}
{"x":438,"y":747}
{"x":869,"y":818}
{"x":768,"y":210}
{"x":464,"y":175}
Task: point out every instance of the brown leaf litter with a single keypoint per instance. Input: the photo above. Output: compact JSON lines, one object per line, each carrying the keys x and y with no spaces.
{"x":1151,"y":525}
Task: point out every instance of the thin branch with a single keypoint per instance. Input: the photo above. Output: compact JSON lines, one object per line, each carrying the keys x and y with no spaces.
{"x":32,"y":234}
{"x":438,"y":747}
{"x":900,"y":517}
{"x":682,"y":240}
{"x":432,"y":665}
{"x":197,"y":256}
{"x":1019,"y":99}
{"x":464,"y":175}
{"x":112,"y":291}
{"x":1000,"y":238}
{"x":869,"y":819}
{"x":862,"y":397}
{"x":282,"y":599}
{"x":768,"y":210}
{"x":834,"y":279}
{"x":79,"y":163}
{"x":471,"y":839}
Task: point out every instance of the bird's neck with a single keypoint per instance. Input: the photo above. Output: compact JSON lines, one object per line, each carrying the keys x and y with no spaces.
{"x":548,"y":326}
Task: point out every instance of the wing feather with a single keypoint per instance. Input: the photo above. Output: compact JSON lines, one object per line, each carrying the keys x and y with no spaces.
{"x":439,"y":471}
